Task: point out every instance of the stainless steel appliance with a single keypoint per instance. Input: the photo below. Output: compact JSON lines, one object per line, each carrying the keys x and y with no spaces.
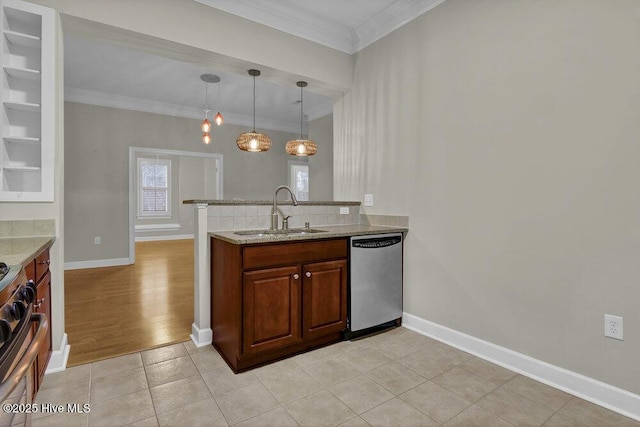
{"x":375,"y":298}
{"x":19,"y":346}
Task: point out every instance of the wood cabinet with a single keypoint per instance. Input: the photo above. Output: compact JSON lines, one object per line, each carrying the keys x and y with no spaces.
{"x":38,"y":271}
{"x":273,"y":300}
{"x":324,"y":293}
{"x":271,"y":308}
{"x":27,"y":117}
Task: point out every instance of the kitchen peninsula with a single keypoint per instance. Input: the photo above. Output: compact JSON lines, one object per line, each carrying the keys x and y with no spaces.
{"x":219,"y":220}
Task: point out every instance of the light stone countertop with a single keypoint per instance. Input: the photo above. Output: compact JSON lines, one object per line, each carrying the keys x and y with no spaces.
{"x":268,"y":202}
{"x":21,"y":250}
{"x":332,"y":231}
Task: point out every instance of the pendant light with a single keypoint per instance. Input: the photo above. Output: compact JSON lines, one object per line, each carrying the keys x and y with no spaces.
{"x":302,"y":146}
{"x":205,"y":126}
{"x":253,"y":141}
{"x":218,"y":119}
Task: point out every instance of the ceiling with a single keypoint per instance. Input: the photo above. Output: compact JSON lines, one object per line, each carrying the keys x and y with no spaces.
{"x":110,"y":74}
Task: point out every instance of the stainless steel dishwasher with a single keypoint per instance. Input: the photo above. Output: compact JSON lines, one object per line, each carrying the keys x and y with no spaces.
{"x":375,"y":298}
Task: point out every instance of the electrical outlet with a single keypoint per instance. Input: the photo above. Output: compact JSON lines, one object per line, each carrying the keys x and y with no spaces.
{"x":613,"y":327}
{"x":368,"y":199}
{"x":344,"y":210}
{"x":97,"y":240}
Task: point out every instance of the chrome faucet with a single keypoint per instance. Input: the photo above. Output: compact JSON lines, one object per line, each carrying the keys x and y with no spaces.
{"x":274,"y":211}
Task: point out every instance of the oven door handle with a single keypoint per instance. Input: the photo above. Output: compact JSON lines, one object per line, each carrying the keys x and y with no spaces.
{"x":12,"y":381}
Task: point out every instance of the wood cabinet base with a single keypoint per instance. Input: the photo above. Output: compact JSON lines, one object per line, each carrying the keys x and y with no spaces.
{"x":271,"y":301}
{"x":244,"y":363}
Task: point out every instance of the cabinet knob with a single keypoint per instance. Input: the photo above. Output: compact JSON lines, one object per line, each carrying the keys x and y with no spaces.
{"x":296,"y":276}
{"x":308,"y":274}
{"x":45,"y":262}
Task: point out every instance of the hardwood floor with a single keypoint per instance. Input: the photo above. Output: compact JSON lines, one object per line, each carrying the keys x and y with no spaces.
{"x":118,"y":310}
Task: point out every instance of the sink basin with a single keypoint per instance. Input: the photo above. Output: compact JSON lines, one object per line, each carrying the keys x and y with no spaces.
{"x":291,"y":231}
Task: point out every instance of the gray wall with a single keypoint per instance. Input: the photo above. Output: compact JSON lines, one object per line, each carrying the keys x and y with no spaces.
{"x":97,"y":141}
{"x":509,"y":130}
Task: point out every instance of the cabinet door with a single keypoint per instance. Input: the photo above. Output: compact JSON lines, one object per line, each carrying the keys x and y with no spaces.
{"x":324,"y":296}
{"x":271,"y":308}
{"x":43,"y":305}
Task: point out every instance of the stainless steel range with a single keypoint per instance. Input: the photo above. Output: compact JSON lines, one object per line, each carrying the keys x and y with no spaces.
{"x":4,"y":269}
{"x":19,"y":344}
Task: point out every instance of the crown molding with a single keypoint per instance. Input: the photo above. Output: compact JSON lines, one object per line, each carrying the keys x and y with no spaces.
{"x":322,"y":31}
{"x":307,"y":27}
{"x":122,"y":102}
{"x":390,"y":19}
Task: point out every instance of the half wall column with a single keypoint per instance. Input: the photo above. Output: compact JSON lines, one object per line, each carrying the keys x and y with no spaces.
{"x":201,"y":333}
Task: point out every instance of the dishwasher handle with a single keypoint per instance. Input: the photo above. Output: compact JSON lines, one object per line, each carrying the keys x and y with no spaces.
{"x":378,"y":242}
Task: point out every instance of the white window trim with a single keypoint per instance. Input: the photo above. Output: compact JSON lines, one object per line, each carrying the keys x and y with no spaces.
{"x":154,"y":215}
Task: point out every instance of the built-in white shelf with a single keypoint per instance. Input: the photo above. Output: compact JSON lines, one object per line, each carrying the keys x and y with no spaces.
{"x":21,"y":140}
{"x":22,"y":39}
{"x":23,"y":73}
{"x":22,"y":168}
{"x":22,"y":106}
{"x":27,"y":56}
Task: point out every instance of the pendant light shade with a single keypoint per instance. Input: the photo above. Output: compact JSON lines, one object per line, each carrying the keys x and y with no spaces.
{"x":205,"y":126}
{"x":302,"y":146}
{"x":218,"y":119}
{"x":253,"y":141}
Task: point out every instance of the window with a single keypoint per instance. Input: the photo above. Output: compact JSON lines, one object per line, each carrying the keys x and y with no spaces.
{"x":299,"y":179}
{"x":154,"y":180}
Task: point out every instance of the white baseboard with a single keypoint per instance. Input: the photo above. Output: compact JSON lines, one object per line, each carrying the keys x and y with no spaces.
{"x":201,"y":337}
{"x":159,"y":238}
{"x":608,"y":396}
{"x":96,"y":263}
{"x":58,"y":360}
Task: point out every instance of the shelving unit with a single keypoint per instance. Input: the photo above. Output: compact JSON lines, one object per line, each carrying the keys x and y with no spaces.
{"x":27,"y":119}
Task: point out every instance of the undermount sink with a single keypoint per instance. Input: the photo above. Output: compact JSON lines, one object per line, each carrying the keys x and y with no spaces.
{"x":279,"y":232}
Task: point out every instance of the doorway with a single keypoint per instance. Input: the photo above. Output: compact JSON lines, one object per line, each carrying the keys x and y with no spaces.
{"x":190,"y":175}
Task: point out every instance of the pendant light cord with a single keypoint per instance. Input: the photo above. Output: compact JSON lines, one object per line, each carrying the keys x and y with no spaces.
{"x":206,"y":100}
{"x":218,"y":96}
{"x":254,"y":104}
{"x":301,"y":129}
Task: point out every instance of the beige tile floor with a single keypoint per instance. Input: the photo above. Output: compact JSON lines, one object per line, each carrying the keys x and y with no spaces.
{"x":398,"y":378}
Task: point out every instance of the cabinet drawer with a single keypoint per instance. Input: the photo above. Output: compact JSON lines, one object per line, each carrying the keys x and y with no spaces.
{"x":42,"y":264}
{"x":292,"y":253}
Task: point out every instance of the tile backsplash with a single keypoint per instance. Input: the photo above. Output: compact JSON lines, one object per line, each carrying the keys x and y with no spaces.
{"x":388,"y":220}
{"x":246,"y":217}
{"x":28,"y":228}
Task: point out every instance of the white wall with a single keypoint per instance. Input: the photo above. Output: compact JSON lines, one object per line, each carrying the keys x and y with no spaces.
{"x":508,"y":132}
